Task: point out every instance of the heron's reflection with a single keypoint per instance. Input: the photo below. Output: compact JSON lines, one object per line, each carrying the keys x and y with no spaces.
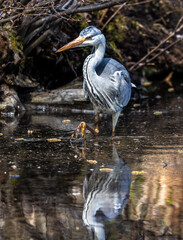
{"x":105,"y":195}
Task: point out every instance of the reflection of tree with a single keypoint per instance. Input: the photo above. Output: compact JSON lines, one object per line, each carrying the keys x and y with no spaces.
{"x":156,"y":197}
{"x":41,"y":204}
{"x":106,"y":194}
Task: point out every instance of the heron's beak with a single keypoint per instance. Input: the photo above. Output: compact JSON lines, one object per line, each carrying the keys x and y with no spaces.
{"x":72,"y":44}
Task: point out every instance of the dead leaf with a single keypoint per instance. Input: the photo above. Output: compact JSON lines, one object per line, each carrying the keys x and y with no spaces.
{"x":147,"y":83}
{"x":19,"y":139}
{"x":168,"y":79}
{"x":13,"y":166}
{"x":171,"y":90}
{"x":106,"y":170}
{"x":136,"y":105}
{"x":31,"y":131}
{"x":158,"y":113}
{"x":66,"y":121}
{"x":1,"y":134}
{"x":53,"y":140}
{"x":92,"y":161}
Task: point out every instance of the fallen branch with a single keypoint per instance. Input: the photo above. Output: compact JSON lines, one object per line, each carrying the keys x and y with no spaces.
{"x":58,"y":96}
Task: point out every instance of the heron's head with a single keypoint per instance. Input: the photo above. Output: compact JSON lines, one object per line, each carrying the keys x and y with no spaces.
{"x":90,"y":36}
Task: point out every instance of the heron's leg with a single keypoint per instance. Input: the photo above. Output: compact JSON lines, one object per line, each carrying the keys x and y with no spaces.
{"x":82,"y":128}
{"x":96,"y":122}
{"x":115,"y":117}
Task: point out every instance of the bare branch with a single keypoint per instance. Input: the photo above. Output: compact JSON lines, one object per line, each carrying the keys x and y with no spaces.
{"x":9,"y":19}
{"x":94,"y":7}
{"x":1,"y":2}
{"x":116,"y":12}
{"x":158,"y":54}
{"x":38,"y":41}
{"x":138,"y":64}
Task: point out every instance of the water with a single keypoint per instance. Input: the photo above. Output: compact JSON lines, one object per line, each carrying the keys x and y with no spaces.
{"x":130,"y":187}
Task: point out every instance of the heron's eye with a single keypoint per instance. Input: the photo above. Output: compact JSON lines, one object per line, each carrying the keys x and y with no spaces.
{"x":89,"y":37}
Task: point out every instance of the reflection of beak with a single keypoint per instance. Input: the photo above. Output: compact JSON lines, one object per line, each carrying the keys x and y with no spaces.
{"x":72,"y":44}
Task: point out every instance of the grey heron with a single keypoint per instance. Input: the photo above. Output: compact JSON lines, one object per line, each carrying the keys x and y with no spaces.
{"x":106,"y":81}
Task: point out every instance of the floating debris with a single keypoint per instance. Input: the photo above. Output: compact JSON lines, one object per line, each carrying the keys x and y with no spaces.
{"x":106,"y":169}
{"x":92,"y":161}
{"x":171,"y":90}
{"x":136,"y":105}
{"x":13,"y":166}
{"x":66,"y":121}
{"x":19,"y":139}
{"x":54,"y":140}
{"x":158,"y":113}
{"x":31,"y":131}
{"x":147,"y":83}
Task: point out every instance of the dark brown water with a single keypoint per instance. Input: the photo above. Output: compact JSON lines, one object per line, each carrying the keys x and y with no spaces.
{"x":127,"y":188}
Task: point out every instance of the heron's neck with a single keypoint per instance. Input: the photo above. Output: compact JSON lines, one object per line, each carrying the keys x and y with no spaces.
{"x":98,"y":55}
{"x":94,"y":60}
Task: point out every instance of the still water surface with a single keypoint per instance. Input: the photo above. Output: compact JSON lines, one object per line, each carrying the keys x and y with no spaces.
{"x":127,"y":188}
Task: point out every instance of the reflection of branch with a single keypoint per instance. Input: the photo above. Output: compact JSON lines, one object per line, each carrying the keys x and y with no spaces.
{"x":140,"y":62}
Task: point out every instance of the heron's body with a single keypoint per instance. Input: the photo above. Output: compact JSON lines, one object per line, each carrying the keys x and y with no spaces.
{"x":106,"y":81}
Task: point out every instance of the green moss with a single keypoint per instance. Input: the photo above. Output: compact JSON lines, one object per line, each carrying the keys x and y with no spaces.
{"x":16,"y":42}
{"x":81,"y":20}
{"x":13,"y":38}
{"x":117,"y":28}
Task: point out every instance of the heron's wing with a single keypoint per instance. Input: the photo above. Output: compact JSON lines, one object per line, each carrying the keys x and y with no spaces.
{"x":109,"y":66}
{"x":117,"y":89}
{"x":124,"y":92}
{"x":122,"y":88}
